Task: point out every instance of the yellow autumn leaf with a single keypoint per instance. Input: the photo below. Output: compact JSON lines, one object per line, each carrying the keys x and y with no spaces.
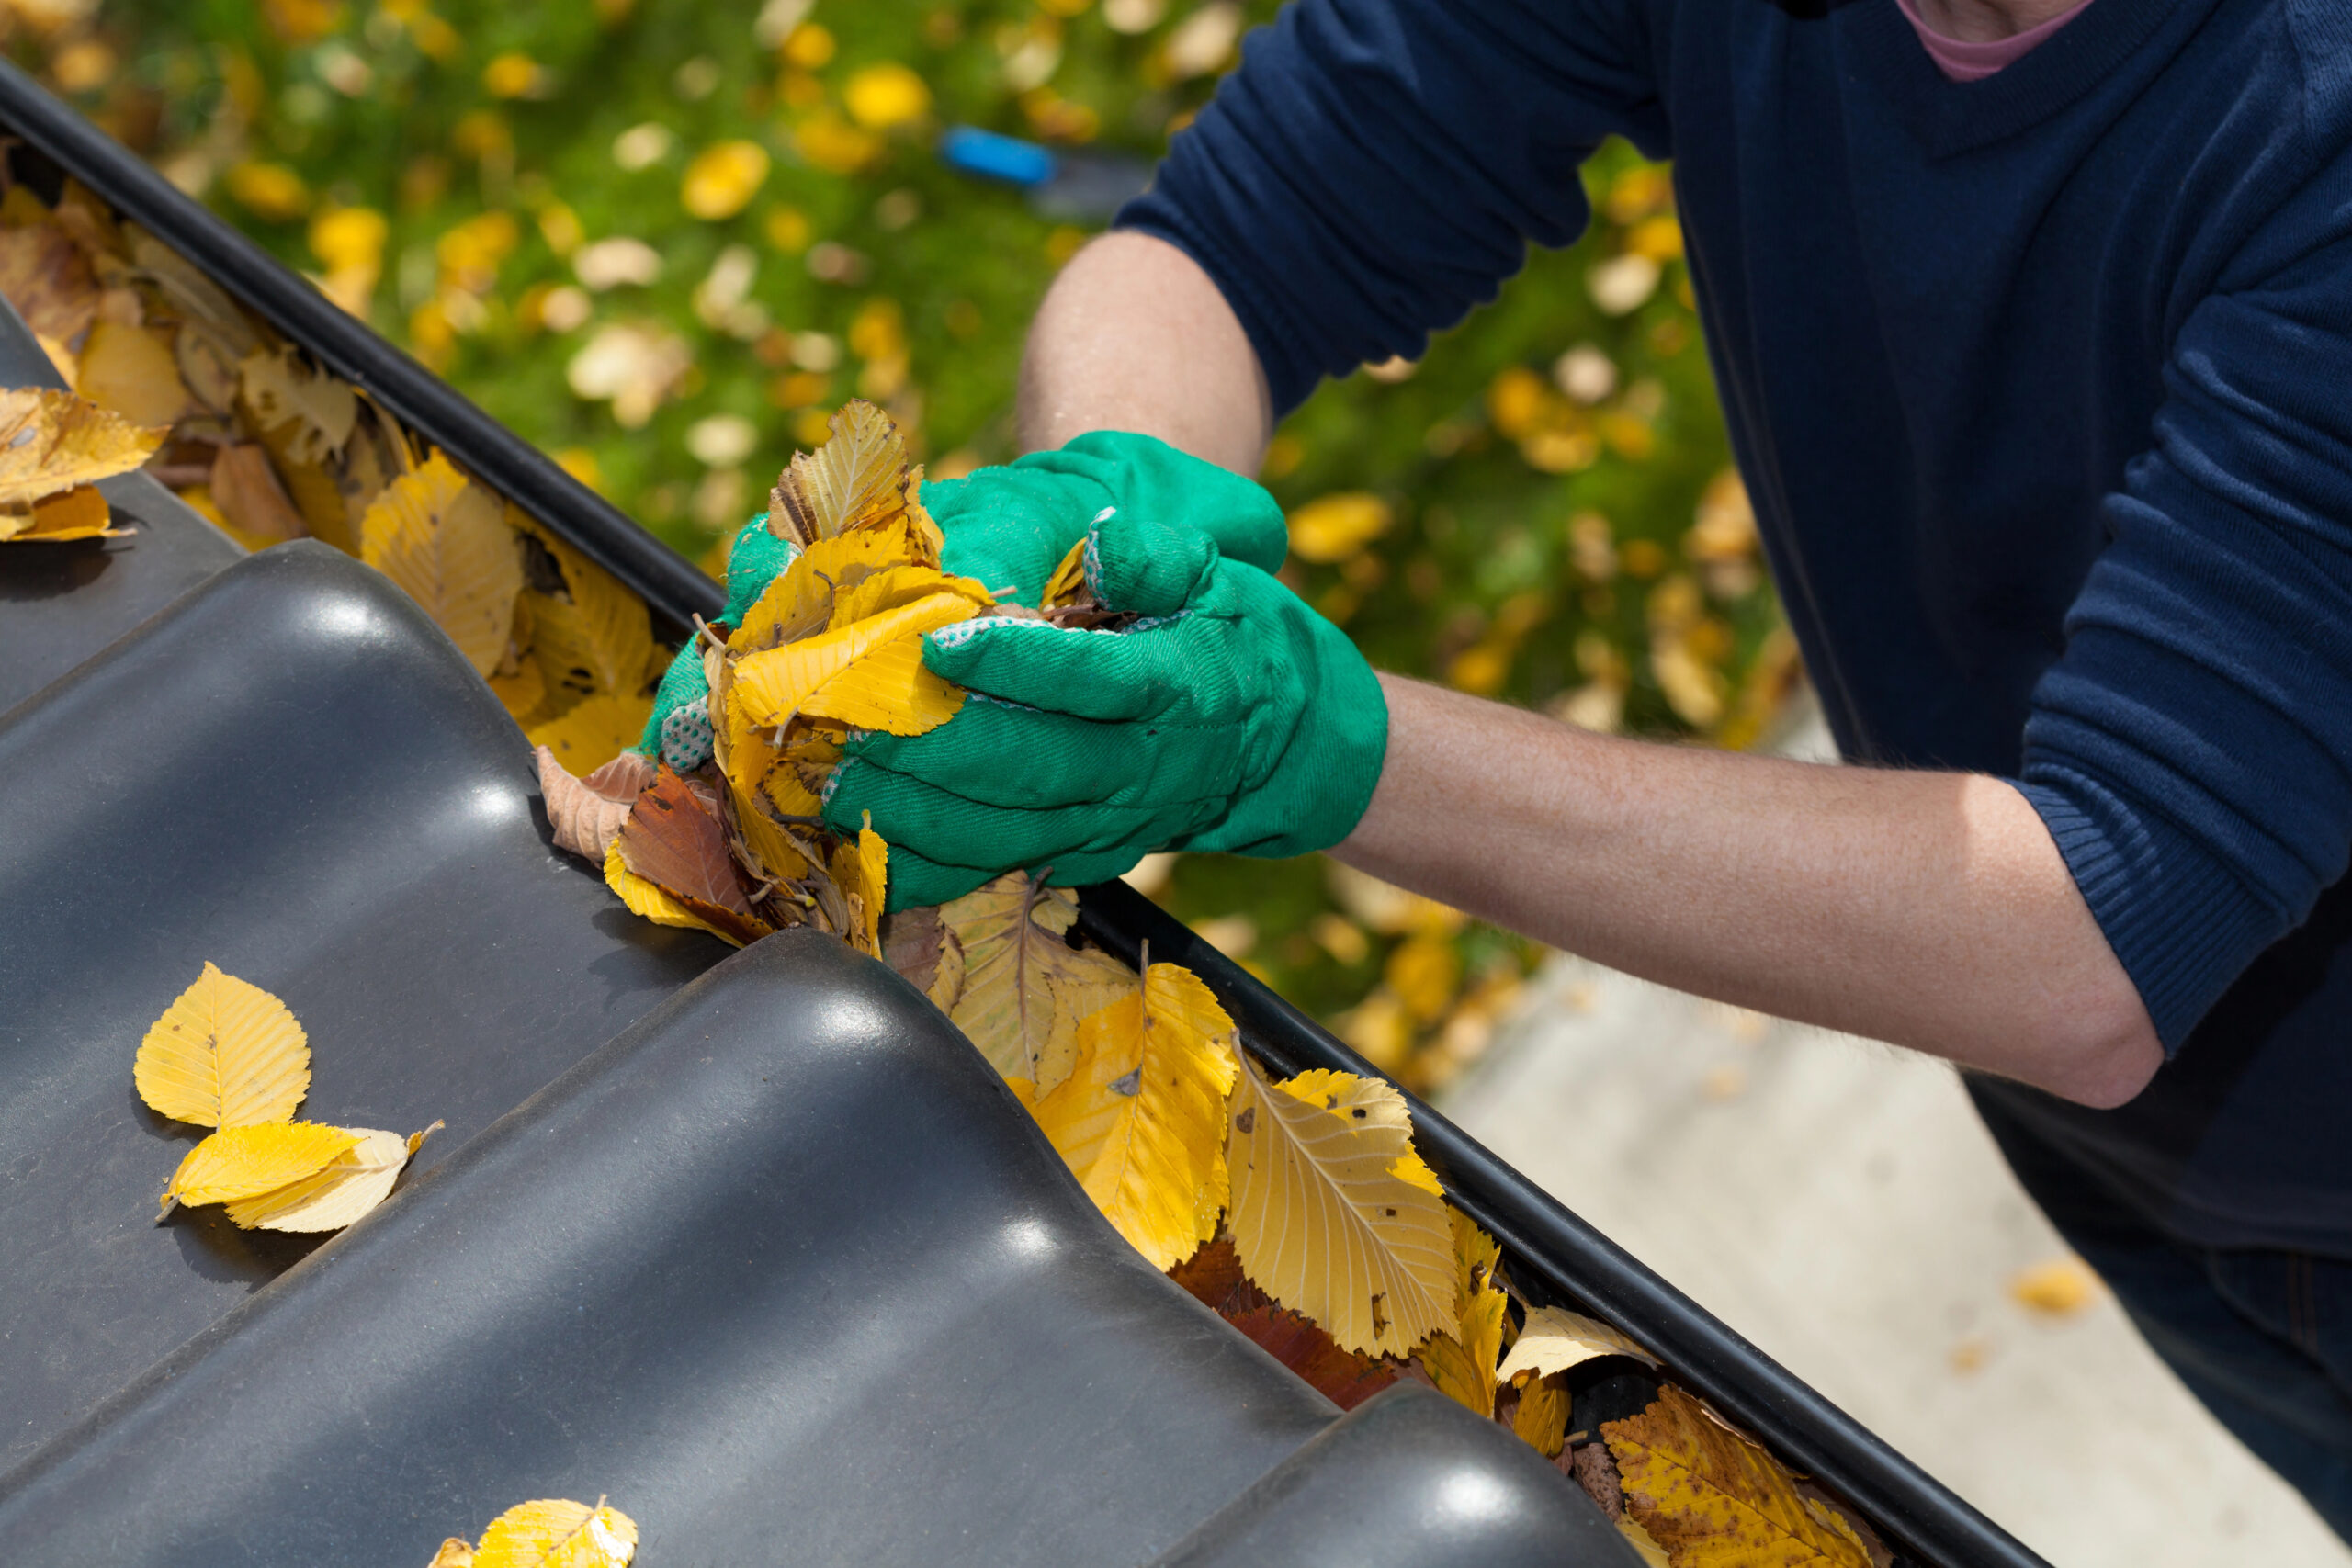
{"x":1461,"y":1358}
{"x":1541,"y":1419}
{"x":1323,"y":1223}
{"x":78,"y":513}
{"x":722,"y":179}
{"x":857,"y":478}
{"x":1139,"y":1118}
{"x":861,"y":870}
{"x":2058,"y":1288}
{"x":895,"y":587}
{"x":1025,"y":990}
{"x":53,"y":441}
{"x":890,"y":688}
{"x":1070,"y":578}
{"x":132,"y":371}
{"x":594,"y":635}
{"x":455,"y":1553}
{"x":1713,"y":1499}
{"x":648,"y":902}
{"x":317,"y":412}
{"x":779,"y":683}
{"x":442,"y":539}
{"x":1555,"y":1339}
{"x":592,"y":731}
{"x":884,"y":96}
{"x":799,"y":602}
{"x":746,"y":756}
{"x":1336,"y":526}
{"x":556,"y":1533}
{"x":1644,"y":1544}
{"x":244,"y":1162}
{"x":225,"y":1053}
{"x":794,"y":786}
{"x":338,"y":1193}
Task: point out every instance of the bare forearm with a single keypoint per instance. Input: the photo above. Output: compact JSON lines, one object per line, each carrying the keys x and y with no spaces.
{"x":1930,"y":910}
{"x":1135,"y":336}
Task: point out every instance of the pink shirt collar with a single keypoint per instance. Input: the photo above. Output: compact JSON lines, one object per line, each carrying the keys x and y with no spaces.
{"x":1974,"y":62}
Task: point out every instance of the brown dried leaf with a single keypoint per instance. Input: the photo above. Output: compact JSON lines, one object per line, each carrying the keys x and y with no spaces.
{"x":245,"y":489}
{"x":587,"y":813}
{"x":47,"y":279}
{"x":674,"y":840}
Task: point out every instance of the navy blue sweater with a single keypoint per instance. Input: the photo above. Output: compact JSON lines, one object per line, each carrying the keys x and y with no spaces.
{"x":2043,"y":389}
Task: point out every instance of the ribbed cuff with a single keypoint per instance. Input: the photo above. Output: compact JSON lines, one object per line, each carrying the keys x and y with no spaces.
{"x":2182,"y":925}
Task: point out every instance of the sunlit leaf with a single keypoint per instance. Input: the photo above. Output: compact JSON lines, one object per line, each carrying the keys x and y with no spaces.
{"x":225,"y":1053}
{"x":444,"y":540}
{"x":245,"y":1162}
{"x":554,"y":1533}
{"x":335,"y":1195}
{"x":1714,"y":1500}
{"x":1025,"y":989}
{"x":53,"y":441}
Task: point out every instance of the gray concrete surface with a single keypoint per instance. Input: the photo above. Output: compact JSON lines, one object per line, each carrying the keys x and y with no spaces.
{"x":1838,"y":1202}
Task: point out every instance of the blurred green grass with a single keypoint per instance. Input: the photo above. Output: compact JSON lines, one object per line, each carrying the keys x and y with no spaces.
{"x":1541,"y":510}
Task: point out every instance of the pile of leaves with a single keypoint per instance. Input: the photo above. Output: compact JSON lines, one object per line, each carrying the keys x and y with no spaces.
{"x":170,"y":373}
{"x":659,"y":237}
{"x":229,"y":1056}
{"x":1299,"y":1209}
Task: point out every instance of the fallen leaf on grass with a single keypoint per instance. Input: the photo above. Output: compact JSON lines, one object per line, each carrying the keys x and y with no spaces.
{"x":225,"y":1053}
{"x":1137,"y":1119}
{"x":1321,"y":1217}
{"x":1710,"y":1498}
{"x":587,"y":813}
{"x":443,"y":539}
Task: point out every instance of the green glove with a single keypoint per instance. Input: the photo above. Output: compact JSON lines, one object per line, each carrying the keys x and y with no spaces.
{"x":1232,"y":719}
{"x":678,"y":730}
{"x":1010,"y":526}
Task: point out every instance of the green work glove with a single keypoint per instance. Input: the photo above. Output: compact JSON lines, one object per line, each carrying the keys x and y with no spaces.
{"x":1010,"y":526}
{"x":1232,"y":718}
{"x":678,"y":730}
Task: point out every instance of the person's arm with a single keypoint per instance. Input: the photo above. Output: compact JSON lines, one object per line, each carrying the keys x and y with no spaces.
{"x":1930,"y":910}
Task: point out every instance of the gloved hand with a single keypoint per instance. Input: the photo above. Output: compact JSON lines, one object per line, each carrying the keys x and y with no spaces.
{"x":1232,"y":719}
{"x":678,"y":730}
{"x":1010,"y":526}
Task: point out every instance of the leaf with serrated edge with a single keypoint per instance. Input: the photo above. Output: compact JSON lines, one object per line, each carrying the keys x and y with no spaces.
{"x":1323,"y":1222}
{"x":596,"y":637}
{"x":648,"y":902}
{"x":799,"y":602}
{"x":1025,"y":989}
{"x":1713,"y":1499}
{"x":1138,"y":1119}
{"x":244,"y":1162}
{"x":861,"y":870}
{"x":592,"y":731}
{"x":890,"y":688}
{"x":1540,"y":1418}
{"x":1461,"y":1359}
{"x":555,"y":1533}
{"x":776,"y":684}
{"x":442,"y":539}
{"x":352,"y":1183}
{"x":457,"y":1552}
{"x":895,"y":586}
{"x":53,"y":441}
{"x":1555,"y":1339}
{"x":225,"y":1053}
{"x":856,"y":478}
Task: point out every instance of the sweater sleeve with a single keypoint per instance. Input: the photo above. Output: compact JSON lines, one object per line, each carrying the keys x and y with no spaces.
{"x":1375,"y":168}
{"x":2191,"y":750}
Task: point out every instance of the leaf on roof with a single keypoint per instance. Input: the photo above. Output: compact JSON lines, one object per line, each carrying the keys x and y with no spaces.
{"x":53,"y":441}
{"x":1708,"y":1494}
{"x":1025,"y":989}
{"x":245,"y":1162}
{"x":336,"y":1194}
{"x":225,"y":1053}
{"x":1139,"y":1117}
